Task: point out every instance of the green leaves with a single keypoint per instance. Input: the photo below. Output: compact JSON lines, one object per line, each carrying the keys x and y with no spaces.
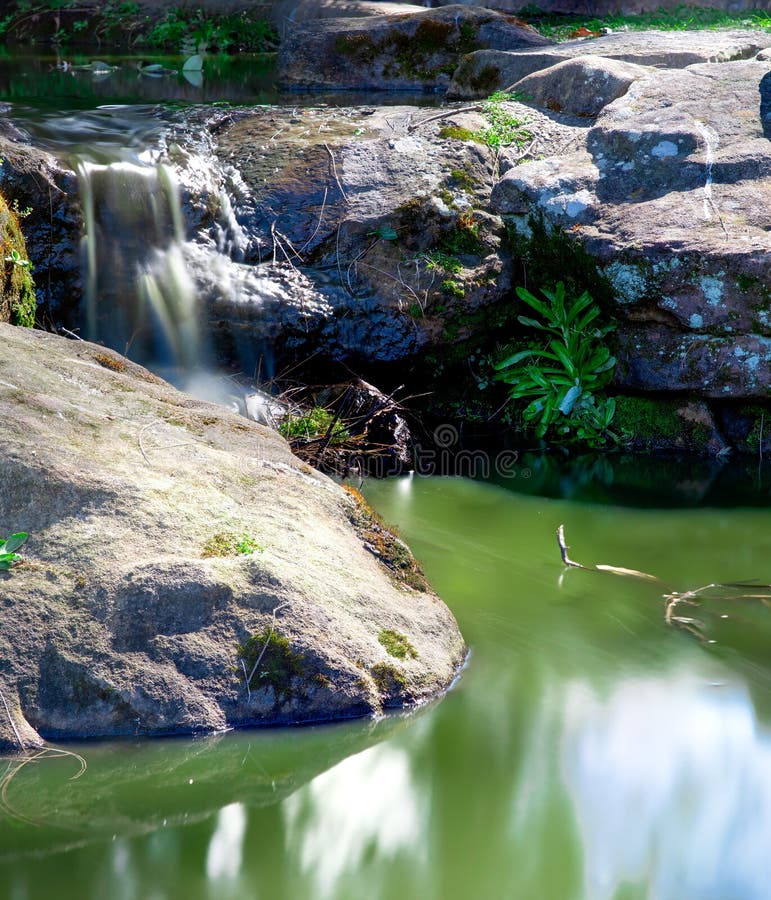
{"x":560,"y":376}
{"x":8,"y":548}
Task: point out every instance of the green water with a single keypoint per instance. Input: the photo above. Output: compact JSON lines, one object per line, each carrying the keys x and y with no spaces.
{"x":588,"y":751}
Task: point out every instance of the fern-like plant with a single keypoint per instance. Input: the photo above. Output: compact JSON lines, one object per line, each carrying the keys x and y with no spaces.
{"x":560,"y":375}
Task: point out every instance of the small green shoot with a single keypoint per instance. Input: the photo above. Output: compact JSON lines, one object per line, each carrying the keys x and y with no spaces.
{"x":8,"y":548}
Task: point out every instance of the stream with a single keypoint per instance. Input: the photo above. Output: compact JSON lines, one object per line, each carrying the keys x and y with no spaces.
{"x":589,"y":751}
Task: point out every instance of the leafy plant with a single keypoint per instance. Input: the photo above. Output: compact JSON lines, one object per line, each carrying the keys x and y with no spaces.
{"x":313,"y":424}
{"x":561,"y":375}
{"x":8,"y":548}
{"x":504,"y":128}
{"x":16,"y":258}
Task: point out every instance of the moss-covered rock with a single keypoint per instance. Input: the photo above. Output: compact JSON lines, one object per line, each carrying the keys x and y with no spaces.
{"x":650,"y":424}
{"x":17,"y":296}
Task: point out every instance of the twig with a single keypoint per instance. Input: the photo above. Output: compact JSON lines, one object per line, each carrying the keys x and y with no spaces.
{"x":445,"y":115}
{"x":334,"y":172}
{"x":262,"y":652}
{"x":318,"y":224}
{"x":13,"y":724}
{"x":613,"y":570}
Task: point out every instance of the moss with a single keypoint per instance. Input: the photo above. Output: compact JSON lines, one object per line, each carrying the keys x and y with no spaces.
{"x":108,"y":361}
{"x":548,"y":254}
{"x":18,"y":302}
{"x":745,"y":283}
{"x":280,"y":667}
{"x":388,"y":679}
{"x":486,"y":80}
{"x":650,"y":424}
{"x":229,"y":544}
{"x":455,"y":132}
{"x":382,"y":541}
{"x":397,"y":644}
{"x":464,"y":180}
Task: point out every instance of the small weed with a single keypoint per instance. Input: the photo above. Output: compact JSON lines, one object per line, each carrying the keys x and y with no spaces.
{"x":504,"y":128}
{"x":228,"y":544}
{"x":313,"y":424}
{"x":453,"y":288}
{"x":8,"y":548}
{"x":397,"y":644}
{"x":279,"y":665}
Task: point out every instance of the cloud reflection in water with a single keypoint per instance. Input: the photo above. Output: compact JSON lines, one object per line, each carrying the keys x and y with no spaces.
{"x":671,"y":784}
{"x":366,"y":807}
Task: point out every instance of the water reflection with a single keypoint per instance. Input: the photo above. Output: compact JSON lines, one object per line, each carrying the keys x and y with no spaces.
{"x":671,"y":784}
{"x":368,"y":808}
{"x":226,"y":848}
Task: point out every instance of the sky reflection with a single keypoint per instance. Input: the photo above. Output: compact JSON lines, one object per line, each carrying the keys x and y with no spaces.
{"x":368,"y":808}
{"x":671,"y":784}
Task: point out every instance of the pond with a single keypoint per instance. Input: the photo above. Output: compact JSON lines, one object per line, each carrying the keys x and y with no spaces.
{"x":588,"y":751}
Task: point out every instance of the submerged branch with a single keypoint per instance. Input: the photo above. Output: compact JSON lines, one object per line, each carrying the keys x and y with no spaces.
{"x":742,"y":590}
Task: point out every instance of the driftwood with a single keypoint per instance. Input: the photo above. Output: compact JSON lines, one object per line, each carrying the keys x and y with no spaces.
{"x":728,"y":592}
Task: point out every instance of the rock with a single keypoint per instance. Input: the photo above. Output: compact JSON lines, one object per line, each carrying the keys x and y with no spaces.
{"x":484,"y":71}
{"x":289,"y":11}
{"x":595,"y":8}
{"x":671,"y":196}
{"x":388,"y":218}
{"x":34,"y":181}
{"x":655,"y":425}
{"x":417,"y":51}
{"x":581,"y":86}
{"x":657,"y":358}
{"x":134,"y":609}
{"x":385,"y":445}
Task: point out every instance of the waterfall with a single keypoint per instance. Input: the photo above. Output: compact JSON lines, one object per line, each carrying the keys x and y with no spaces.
{"x":138,"y":297}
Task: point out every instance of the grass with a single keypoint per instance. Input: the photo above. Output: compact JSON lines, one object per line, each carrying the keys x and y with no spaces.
{"x":313,"y":424}
{"x":681,"y":18}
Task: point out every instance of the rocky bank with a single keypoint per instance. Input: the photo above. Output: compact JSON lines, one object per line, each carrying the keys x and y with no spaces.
{"x":170,"y":543}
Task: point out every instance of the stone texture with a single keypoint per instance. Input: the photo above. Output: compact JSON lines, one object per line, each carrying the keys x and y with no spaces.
{"x":417,"y":51}
{"x":594,"y":8}
{"x":581,"y":86}
{"x":672,"y":195}
{"x":120,"y":621}
{"x":484,"y":71}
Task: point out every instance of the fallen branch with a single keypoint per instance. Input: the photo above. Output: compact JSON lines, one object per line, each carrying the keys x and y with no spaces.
{"x":445,"y":115}
{"x":672,"y":598}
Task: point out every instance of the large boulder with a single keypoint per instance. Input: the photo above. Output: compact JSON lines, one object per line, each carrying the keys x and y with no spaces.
{"x":484,"y":71}
{"x":671,"y":195}
{"x":184,"y":571}
{"x":409,"y":51}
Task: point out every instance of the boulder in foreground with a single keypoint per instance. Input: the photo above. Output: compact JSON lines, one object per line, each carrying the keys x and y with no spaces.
{"x":170,"y":542}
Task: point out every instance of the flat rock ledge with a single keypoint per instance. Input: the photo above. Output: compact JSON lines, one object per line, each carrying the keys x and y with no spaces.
{"x":134,"y":612}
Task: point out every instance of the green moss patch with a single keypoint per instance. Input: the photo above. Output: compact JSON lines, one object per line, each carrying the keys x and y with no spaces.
{"x":388,"y":679}
{"x":397,"y":644}
{"x":229,"y":544}
{"x":280,"y":667}
{"x":17,"y":293}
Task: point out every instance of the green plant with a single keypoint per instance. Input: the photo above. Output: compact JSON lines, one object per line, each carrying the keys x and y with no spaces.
{"x":504,"y":128}
{"x":229,"y":544}
{"x":560,"y":376}
{"x":8,"y":548}
{"x":313,"y":424}
{"x":16,"y":258}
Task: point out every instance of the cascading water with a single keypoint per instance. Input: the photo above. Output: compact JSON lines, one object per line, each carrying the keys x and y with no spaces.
{"x":139,"y":297}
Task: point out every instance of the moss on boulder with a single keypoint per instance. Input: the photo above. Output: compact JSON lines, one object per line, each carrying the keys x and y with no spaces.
{"x":17,"y":296}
